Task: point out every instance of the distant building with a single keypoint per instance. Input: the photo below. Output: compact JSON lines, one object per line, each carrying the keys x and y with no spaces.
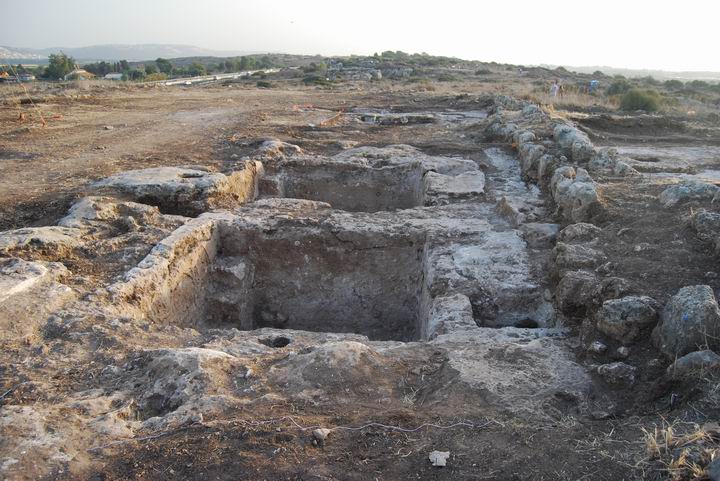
{"x":79,"y":74}
{"x":114,"y":76}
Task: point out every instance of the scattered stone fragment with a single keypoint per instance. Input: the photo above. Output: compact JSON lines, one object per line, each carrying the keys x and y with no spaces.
{"x":509,"y":212}
{"x":539,"y":235}
{"x":689,"y":321}
{"x":618,"y":373}
{"x":321,"y":434}
{"x":622,"y":319}
{"x":439,"y":458}
{"x":597,"y":347}
{"x":623,"y":352}
{"x":655,"y":363}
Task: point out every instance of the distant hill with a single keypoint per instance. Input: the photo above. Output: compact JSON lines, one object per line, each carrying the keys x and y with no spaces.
{"x":658,"y":74}
{"x":115,"y":52}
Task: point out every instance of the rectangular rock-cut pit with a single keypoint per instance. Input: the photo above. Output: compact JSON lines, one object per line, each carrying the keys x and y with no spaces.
{"x":318,"y":280}
{"x":348,"y":186}
{"x":305,"y":275}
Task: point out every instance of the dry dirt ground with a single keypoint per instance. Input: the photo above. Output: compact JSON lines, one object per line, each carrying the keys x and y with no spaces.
{"x":595,"y":434}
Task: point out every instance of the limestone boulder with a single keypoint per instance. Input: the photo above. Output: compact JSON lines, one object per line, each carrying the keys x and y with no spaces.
{"x":695,"y":362}
{"x":186,"y":191}
{"x":576,"y":194}
{"x":574,"y":142}
{"x":623,"y":319}
{"x":579,"y":232}
{"x":689,"y":321}
{"x":688,"y":191}
{"x":577,"y":292}
{"x":570,"y":257}
{"x":706,"y":225}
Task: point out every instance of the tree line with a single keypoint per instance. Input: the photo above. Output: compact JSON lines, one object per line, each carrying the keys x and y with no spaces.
{"x":60,"y":65}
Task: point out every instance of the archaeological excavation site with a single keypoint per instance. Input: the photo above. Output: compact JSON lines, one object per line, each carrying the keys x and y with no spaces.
{"x":361,"y":281}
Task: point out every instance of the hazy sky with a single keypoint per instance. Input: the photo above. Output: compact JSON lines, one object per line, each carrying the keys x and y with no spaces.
{"x":677,"y":35}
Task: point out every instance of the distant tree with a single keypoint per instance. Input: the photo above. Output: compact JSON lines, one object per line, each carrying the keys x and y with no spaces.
{"x":318,"y":68}
{"x":265,"y":62}
{"x":99,"y":68}
{"x":151,"y":69}
{"x":59,"y":66}
{"x":164,"y":65}
{"x":137,"y":74}
{"x":124,"y":65}
{"x":247,"y":63}
{"x":232,"y":65}
{"x":196,"y":69}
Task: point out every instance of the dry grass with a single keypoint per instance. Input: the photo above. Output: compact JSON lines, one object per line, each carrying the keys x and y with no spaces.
{"x":683,"y":452}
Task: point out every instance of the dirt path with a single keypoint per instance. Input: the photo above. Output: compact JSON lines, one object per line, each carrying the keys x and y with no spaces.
{"x":44,"y":169}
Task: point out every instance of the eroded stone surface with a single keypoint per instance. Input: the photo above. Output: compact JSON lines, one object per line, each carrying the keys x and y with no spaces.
{"x":178,"y":190}
{"x":29,"y":293}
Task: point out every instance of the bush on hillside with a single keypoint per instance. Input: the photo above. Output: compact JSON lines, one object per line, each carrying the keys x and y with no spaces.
{"x":673,"y":84}
{"x":639,"y":99}
{"x":618,"y":87}
{"x":316,"y":80}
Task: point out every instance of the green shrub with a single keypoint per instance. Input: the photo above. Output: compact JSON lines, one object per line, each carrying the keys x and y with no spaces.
{"x":673,"y":84}
{"x":263,"y":84}
{"x":649,"y":80}
{"x":699,"y":84}
{"x":639,"y":99}
{"x":155,"y":77}
{"x":315,"y":80}
{"x":446,"y":77}
{"x":483,"y":71}
{"x":618,"y":87}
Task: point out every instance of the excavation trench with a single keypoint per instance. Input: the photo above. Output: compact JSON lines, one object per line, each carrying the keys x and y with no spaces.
{"x":348,"y":186}
{"x":298,"y":277}
{"x":285,"y":264}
